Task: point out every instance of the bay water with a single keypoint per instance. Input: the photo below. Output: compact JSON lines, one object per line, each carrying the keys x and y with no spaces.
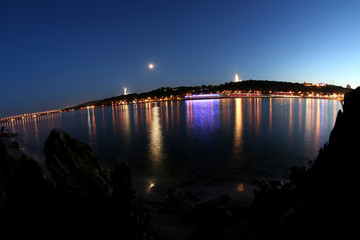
{"x":211,"y":147}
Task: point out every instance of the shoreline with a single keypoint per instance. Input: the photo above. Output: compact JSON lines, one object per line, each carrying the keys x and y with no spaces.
{"x":34,"y":115}
{"x":174,"y":220}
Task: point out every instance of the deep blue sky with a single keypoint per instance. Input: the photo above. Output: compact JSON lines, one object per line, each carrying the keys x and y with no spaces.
{"x":55,"y":54}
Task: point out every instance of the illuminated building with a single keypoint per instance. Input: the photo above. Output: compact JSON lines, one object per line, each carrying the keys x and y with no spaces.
{"x":202,"y":96}
{"x":237,"y":79}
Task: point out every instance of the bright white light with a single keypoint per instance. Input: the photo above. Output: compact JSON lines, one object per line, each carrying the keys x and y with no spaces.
{"x":237,"y":79}
{"x":151,"y":66}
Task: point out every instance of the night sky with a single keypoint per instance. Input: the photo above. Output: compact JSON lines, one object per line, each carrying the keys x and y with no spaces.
{"x":55,"y":54}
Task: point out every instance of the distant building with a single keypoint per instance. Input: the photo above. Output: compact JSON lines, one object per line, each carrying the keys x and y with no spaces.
{"x":125,"y":90}
{"x":237,"y":79}
{"x":306,"y":84}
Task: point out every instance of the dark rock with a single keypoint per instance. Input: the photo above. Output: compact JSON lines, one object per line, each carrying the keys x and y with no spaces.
{"x":262,"y":183}
{"x":4,"y":133}
{"x":129,"y":210}
{"x":78,"y":202}
{"x":298,"y":175}
{"x":75,"y":168}
{"x":121,"y":179}
{"x":30,"y":199}
{"x":5,"y":176}
{"x":30,"y":186}
{"x":276,"y":183}
{"x":317,"y":202}
{"x":215,"y":214}
{"x":185,"y":183}
{"x":175,"y":195}
{"x":211,"y":230}
{"x":191,"y":196}
{"x":14,"y":144}
{"x":94,"y":203}
{"x":25,"y":197}
{"x":178,"y":199}
{"x":204,"y":209}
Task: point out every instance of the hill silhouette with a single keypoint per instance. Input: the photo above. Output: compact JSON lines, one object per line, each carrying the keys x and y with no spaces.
{"x":173,"y":93}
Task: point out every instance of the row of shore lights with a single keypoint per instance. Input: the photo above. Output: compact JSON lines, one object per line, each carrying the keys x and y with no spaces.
{"x":12,"y":118}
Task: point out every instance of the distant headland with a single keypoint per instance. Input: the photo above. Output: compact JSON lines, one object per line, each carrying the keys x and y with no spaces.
{"x":246,"y":88}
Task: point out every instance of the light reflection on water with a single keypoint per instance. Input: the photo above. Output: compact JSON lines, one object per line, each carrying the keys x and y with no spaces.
{"x":238,"y":127}
{"x":156,"y":138}
{"x":203,"y":120}
{"x":219,"y":145}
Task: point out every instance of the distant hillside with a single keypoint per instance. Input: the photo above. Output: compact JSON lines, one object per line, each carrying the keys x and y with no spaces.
{"x":253,"y":85}
{"x":266,"y":86}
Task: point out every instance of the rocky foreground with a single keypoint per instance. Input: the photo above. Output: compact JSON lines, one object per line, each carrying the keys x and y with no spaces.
{"x":317,"y":202}
{"x":83,"y":199}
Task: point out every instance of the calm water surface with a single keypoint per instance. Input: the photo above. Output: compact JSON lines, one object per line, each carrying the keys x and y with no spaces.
{"x":211,"y":147}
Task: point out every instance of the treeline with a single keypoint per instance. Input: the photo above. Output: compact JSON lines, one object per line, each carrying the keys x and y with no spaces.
{"x":161,"y":93}
{"x":251,"y":85}
{"x":266,"y":86}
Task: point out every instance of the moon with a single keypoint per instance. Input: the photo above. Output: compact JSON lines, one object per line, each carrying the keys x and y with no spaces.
{"x":151,"y":66}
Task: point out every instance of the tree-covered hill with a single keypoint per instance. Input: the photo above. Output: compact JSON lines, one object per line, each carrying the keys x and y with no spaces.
{"x":264,"y":86}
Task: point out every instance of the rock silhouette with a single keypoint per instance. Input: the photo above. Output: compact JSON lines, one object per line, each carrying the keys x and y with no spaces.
{"x":82,"y":199}
{"x":317,"y":202}
{"x":75,"y":168}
